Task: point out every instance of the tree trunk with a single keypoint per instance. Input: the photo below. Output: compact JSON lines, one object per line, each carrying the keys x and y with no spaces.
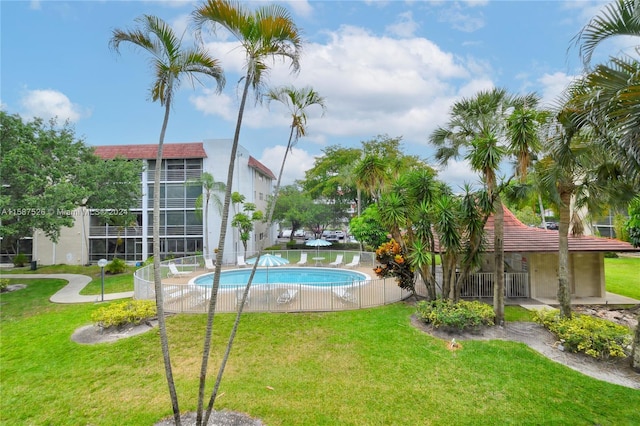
{"x":635,"y":352}
{"x":216,"y":278}
{"x":157,"y":280}
{"x":498,"y":250}
{"x":564,"y":278}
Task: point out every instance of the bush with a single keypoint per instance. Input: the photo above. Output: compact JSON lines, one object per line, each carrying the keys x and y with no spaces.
{"x":20,"y":260}
{"x":123,"y":313}
{"x":116,"y":266}
{"x":461,"y":315}
{"x":4,"y":283}
{"x":595,"y":337}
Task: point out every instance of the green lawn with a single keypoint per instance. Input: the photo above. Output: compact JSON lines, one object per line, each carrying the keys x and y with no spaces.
{"x":622,"y":276}
{"x":367,"y":367}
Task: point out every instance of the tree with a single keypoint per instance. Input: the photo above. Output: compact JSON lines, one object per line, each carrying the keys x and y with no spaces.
{"x":210,"y":189}
{"x":170,"y":63}
{"x":266,"y":33}
{"x":621,"y":17}
{"x":478,"y":127}
{"x":244,"y":222}
{"x":47,"y":173}
{"x":368,"y":229}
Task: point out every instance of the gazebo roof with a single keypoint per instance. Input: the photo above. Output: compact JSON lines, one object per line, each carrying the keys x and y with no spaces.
{"x":519,"y":237}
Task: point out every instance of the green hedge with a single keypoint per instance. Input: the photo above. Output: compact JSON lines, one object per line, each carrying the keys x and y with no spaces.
{"x":461,"y":315}
{"x":123,"y":313}
{"x":595,"y":337}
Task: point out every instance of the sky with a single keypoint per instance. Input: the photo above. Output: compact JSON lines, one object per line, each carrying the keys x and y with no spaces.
{"x":384,"y":68}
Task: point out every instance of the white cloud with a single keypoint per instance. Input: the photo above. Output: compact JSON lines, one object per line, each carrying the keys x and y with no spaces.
{"x":48,"y":104}
{"x":404,"y":26}
{"x":553,"y":85}
{"x":298,"y":162}
{"x":457,"y":173}
{"x":459,"y":20}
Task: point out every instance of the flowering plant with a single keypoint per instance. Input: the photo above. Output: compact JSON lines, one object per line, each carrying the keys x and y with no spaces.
{"x":393,"y":263}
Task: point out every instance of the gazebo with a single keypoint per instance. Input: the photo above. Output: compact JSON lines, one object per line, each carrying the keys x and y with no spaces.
{"x":532,"y":253}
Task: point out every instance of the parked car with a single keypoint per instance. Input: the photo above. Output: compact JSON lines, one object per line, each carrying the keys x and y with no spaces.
{"x":285,"y":233}
{"x":340,"y":235}
{"x":299,"y":233}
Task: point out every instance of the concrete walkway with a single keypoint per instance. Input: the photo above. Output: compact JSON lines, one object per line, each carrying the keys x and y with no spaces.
{"x":71,"y":292}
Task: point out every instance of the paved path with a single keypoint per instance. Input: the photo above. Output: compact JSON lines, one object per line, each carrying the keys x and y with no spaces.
{"x":71,"y":292}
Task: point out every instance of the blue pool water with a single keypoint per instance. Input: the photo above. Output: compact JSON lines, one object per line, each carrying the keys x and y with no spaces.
{"x":314,"y":277}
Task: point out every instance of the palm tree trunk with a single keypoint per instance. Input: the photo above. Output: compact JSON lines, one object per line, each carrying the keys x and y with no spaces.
{"x":543,"y":220}
{"x":216,"y":278}
{"x":564,"y":294}
{"x":206,"y":250}
{"x":498,"y":249}
{"x":157,"y":280}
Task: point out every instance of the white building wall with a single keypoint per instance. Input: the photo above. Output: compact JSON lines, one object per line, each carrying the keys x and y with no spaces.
{"x":72,"y":247}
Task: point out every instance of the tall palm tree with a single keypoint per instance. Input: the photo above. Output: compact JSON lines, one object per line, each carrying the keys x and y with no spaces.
{"x":170,"y":64}
{"x":268,"y":32}
{"x":477,"y":127}
{"x":372,"y":175}
{"x":210,"y":189}
{"x":621,"y":17}
{"x":297,"y":101}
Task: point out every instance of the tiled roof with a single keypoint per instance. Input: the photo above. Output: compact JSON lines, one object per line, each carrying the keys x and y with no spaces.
{"x":519,"y":237}
{"x":261,"y":167}
{"x":149,"y":152}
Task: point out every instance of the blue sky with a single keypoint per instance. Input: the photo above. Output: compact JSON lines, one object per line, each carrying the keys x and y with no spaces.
{"x":384,"y":67}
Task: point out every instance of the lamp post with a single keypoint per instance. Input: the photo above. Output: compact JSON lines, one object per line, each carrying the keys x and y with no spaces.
{"x":102,"y":263}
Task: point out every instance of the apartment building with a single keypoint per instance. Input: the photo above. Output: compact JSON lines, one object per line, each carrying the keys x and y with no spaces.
{"x":181,"y":224}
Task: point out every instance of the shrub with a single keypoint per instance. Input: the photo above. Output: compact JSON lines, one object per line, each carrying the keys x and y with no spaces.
{"x":4,"y":283}
{"x":461,"y":315}
{"x":595,"y":337}
{"x":20,"y":259}
{"x":116,"y":266}
{"x":123,"y":313}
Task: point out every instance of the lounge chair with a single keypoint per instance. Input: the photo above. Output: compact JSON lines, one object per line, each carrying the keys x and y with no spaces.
{"x":354,"y":262}
{"x":209,"y":264}
{"x":303,"y":259}
{"x":287,"y":296}
{"x":241,"y":262}
{"x":173,"y":271}
{"x":345,"y":295}
{"x":337,"y":262}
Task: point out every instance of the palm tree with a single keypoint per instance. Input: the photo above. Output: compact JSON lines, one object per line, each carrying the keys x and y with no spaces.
{"x":266,"y":33}
{"x":170,"y":64}
{"x":297,"y":100}
{"x":477,"y":125}
{"x":621,"y":17}
{"x":211,"y":189}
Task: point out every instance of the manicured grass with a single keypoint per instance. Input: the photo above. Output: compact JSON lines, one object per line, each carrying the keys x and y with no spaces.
{"x":517,"y":313}
{"x":112,"y":283}
{"x":367,"y":367}
{"x":622,"y":276}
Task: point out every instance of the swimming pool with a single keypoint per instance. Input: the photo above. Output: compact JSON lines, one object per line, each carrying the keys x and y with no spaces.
{"x":310,"y":277}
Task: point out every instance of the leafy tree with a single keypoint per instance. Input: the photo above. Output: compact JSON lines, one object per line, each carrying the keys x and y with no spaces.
{"x":244,"y":222}
{"x":47,"y":173}
{"x":368,"y":229}
{"x":170,"y":63}
{"x":266,"y":33}
{"x":633,"y":224}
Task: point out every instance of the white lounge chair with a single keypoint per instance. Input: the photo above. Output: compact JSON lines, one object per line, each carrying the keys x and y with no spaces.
{"x":209,"y":264}
{"x":303,"y":259}
{"x":241,"y":262}
{"x":354,"y":262}
{"x":287,"y":296}
{"x":345,"y":295}
{"x":174,"y":272}
{"x":337,"y":262}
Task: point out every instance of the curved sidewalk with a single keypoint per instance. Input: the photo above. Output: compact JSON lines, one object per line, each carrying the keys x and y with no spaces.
{"x":71,"y":292}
